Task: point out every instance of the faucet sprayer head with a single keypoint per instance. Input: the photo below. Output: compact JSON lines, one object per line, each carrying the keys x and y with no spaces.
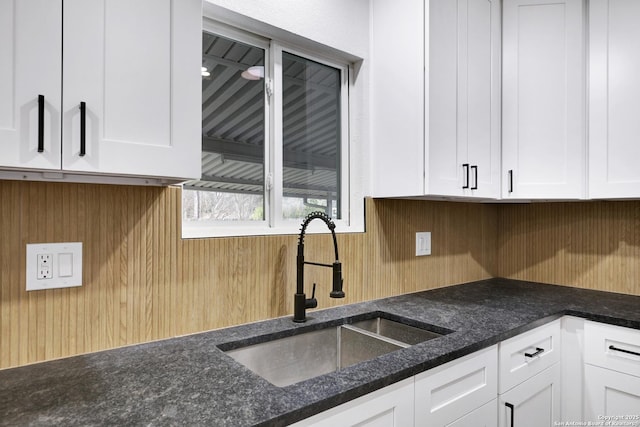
{"x":327,"y":220}
{"x":337,"y":291}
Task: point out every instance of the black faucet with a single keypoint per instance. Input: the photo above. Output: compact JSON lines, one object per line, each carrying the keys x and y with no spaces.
{"x":301,"y":302}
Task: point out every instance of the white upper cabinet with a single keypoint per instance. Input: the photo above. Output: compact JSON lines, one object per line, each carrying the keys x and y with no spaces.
{"x":543,"y":106}
{"x":614,"y":98}
{"x":125,"y":92}
{"x":397,"y":98}
{"x":435,"y":98}
{"x":463,"y":116}
{"x":30,"y":76}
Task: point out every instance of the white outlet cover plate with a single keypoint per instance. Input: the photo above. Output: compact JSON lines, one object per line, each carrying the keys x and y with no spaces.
{"x":66,"y":265}
{"x":423,"y":243}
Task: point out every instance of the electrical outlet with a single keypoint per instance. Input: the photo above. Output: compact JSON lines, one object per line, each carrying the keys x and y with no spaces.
{"x":54,"y":265}
{"x":423,"y":243}
{"x":45,"y":270}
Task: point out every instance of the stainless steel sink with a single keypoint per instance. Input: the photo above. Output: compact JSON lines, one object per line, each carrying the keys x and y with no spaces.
{"x":286,"y":361}
{"x":396,"y":330}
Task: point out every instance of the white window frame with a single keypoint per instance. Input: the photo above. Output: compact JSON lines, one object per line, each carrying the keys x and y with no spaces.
{"x":352,"y":220}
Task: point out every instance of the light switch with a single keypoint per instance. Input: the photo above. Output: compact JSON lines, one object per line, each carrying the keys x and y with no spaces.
{"x":423,"y":243}
{"x":65,"y":264}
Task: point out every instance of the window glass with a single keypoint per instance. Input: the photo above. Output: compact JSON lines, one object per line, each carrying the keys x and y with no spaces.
{"x":233,"y":134}
{"x":311,"y":132}
{"x":275,"y":137}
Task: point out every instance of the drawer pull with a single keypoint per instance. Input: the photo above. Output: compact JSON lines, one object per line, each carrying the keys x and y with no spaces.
{"x":510,"y":406}
{"x":635,"y":353}
{"x":536,"y":353}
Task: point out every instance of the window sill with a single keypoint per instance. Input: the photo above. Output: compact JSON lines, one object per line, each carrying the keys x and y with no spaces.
{"x":193,"y":230}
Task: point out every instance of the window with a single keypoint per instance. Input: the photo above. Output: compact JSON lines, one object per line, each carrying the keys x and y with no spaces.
{"x":275,"y":138}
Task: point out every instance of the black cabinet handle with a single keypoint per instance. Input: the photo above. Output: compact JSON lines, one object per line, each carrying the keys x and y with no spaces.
{"x":510,"y":406}
{"x":465,"y":167}
{"x":534,"y":354}
{"x":40,"y":123}
{"x":510,"y":180}
{"x":475,"y":174}
{"x":83,"y":128}
{"x":635,"y":353}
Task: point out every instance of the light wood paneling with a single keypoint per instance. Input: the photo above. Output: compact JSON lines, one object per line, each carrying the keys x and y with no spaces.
{"x":593,"y":245}
{"x":142,"y":282}
{"x":463,"y":242}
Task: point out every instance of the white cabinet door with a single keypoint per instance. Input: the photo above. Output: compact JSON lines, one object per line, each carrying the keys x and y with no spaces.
{"x":482,"y":105}
{"x":611,"y":393}
{"x":464,"y":98}
{"x":484,"y":416}
{"x":391,"y":406}
{"x":136,"y":66}
{"x":614,"y":98}
{"x":397,"y":92}
{"x":543,"y":105}
{"x":534,"y":403}
{"x":446,"y":153}
{"x":30,"y":66}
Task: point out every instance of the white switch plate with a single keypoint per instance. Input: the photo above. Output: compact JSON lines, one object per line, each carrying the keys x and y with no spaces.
{"x":54,"y":265}
{"x":423,"y":243}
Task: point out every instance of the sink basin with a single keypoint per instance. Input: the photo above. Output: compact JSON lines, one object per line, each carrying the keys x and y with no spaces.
{"x":288,"y":360}
{"x":396,"y":330}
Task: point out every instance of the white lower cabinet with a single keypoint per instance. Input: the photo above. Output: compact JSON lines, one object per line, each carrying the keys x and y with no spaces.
{"x":459,"y":393}
{"x":611,"y":394}
{"x":391,"y":406}
{"x":530,"y":377}
{"x":534,"y":403}
{"x":484,"y":416}
{"x":611,"y":374}
{"x":569,"y":370}
{"x":449,"y":391}
{"x":523,"y":356}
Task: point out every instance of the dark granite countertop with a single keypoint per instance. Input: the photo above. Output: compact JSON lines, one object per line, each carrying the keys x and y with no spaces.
{"x":190,"y":381}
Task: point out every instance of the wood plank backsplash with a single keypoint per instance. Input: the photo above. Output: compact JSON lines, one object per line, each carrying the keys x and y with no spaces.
{"x":593,"y":245}
{"x":142,"y":282}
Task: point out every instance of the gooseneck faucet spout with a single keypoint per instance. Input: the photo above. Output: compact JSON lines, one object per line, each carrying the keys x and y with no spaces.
{"x":301,"y":302}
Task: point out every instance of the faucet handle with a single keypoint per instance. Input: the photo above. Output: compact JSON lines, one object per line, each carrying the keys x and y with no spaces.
{"x":312,"y":302}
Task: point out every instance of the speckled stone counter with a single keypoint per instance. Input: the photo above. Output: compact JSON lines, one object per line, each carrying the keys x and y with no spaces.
{"x":190,"y":381}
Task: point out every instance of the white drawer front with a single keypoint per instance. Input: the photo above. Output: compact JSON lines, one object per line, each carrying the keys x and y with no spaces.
{"x":612,"y":347}
{"x":523,"y":356}
{"x":391,"y":406}
{"x":445,"y":393}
